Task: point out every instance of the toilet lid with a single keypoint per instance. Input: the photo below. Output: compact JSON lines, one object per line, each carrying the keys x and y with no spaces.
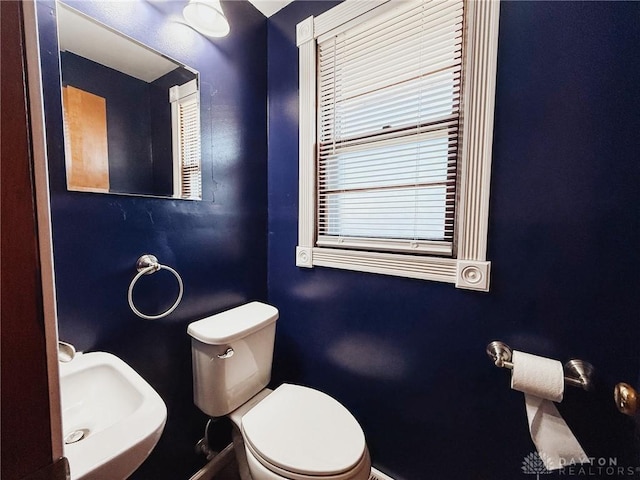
{"x":304,"y":431}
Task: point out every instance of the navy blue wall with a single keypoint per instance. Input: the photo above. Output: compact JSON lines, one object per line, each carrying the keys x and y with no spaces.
{"x":217,"y":245}
{"x":407,"y":356}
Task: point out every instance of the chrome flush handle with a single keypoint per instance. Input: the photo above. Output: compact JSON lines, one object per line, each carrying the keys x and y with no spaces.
{"x":227,"y":354}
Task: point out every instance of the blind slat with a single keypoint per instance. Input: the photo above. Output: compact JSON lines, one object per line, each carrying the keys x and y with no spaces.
{"x":189,"y":121}
{"x":388,"y":117}
{"x":432,"y":18}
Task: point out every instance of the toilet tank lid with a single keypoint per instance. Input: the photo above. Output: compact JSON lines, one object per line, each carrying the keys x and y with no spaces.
{"x":231,"y":325}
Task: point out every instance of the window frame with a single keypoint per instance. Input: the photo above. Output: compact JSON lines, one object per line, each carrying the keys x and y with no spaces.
{"x":469,"y":268}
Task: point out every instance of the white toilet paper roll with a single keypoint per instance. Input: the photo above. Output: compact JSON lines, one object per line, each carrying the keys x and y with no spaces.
{"x":554,"y":440}
{"x":538,"y":376}
{"x":542,"y":381}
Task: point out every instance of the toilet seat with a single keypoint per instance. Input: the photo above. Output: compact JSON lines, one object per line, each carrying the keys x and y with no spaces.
{"x":262,"y":470}
{"x":298,"y":432}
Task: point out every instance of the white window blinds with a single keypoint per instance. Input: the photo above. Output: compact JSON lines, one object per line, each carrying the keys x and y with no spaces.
{"x":185,"y":109}
{"x":388,"y":118}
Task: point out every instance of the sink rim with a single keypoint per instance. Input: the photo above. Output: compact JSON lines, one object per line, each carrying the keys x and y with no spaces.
{"x":133,"y":436}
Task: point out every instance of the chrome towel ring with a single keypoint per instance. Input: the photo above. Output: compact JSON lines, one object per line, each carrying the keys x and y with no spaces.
{"x":146,"y":265}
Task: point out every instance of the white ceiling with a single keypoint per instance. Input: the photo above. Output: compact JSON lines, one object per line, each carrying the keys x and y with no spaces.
{"x":83,"y":36}
{"x":269,"y":7}
{"x":79,"y":35}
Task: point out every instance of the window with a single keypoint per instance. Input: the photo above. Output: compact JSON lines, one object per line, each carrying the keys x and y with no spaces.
{"x":396,"y":119}
{"x":185,"y":118}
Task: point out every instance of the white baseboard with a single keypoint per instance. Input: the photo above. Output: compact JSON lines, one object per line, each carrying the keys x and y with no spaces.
{"x":378,"y":475}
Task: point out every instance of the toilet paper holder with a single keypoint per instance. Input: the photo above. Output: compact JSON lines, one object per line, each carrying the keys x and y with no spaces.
{"x":577,"y":373}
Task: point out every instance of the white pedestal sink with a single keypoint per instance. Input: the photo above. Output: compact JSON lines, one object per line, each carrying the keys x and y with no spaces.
{"x":111,"y":417}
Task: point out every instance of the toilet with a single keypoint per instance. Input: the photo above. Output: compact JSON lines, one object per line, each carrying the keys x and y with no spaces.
{"x":292,"y":432}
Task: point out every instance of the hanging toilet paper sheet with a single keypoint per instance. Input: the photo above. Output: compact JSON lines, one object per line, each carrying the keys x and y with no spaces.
{"x":542,"y":382}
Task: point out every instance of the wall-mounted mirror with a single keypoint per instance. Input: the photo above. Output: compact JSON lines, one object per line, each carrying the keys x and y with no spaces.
{"x":131,"y":114}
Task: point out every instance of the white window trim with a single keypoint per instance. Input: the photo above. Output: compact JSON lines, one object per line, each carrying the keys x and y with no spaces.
{"x":470,"y":269}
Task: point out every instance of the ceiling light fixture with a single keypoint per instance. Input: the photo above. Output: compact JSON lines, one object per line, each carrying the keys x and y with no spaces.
{"x":207,"y":17}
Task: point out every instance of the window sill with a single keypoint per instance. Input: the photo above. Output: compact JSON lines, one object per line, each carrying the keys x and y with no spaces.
{"x":465,"y":274}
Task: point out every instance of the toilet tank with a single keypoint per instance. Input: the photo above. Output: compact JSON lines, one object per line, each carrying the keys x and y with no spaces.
{"x":231,"y":354}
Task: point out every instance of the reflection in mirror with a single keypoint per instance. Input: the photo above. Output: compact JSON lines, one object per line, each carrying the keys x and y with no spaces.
{"x":131,"y":114}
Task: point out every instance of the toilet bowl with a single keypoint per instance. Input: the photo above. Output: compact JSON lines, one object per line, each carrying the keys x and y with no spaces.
{"x":300,"y":433}
{"x":292,"y":432}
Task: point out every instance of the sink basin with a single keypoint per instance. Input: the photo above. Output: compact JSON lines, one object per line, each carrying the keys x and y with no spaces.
{"x":111,"y":417}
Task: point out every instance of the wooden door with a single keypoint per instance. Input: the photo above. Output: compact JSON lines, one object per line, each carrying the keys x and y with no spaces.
{"x":85,"y":132}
